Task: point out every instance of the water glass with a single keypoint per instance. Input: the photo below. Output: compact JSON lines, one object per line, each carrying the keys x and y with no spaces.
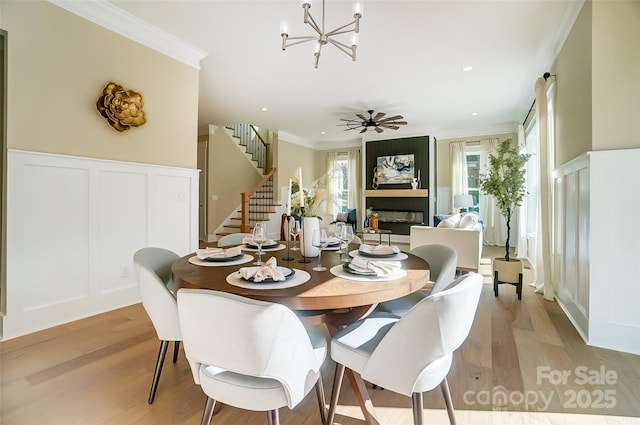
{"x":319,"y":240}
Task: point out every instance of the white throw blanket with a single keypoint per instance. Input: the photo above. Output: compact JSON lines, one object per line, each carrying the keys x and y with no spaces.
{"x":380,"y":268}
{"x":205,"y":253}
{"x":268,"y":270}
{"x":379,"y":249}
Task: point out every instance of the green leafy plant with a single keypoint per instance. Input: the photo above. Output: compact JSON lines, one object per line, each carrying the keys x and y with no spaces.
{"x":506,"y":182}
{"x":314,"y":197}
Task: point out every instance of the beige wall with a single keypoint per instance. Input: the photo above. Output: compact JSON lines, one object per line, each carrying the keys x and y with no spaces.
{"x":598,"y":83}
{"x":230,"y":173}
{"x":616,"y":75}
{"x":291,"y":156}
{"x":56,"y":75}
{"x":573,"y":91}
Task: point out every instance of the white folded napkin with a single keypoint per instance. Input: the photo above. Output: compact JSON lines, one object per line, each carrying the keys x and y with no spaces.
{"x":249,"y":241}
{"x":380,"y":268}
{"x":268,"y":270}
{"x":205,"y":253}
{"x":379,"y":249}
{"x":332,"y":240}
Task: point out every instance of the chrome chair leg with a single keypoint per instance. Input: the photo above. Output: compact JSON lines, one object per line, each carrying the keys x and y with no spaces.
{"x":444,"y":386}
{"x":418,"y":408}
{"x":273,"y":417}
{"x":335,"y":392}
{"x":208,"y":411}
{"x":156,"y":375}
{"x":321,"y":401}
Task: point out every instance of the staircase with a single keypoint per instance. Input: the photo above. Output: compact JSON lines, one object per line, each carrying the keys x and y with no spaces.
{"x":257,"y":205}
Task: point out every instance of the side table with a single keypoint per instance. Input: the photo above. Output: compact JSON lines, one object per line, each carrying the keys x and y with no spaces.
{"x":378,"y":232}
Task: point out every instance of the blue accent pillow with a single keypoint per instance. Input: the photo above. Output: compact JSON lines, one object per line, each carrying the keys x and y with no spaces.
{"x":351,"y":215}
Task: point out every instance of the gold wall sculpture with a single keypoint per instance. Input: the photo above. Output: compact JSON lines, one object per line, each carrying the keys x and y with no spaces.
{"x":121,"y":108}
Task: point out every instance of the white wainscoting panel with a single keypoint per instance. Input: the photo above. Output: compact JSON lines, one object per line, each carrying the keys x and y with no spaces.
{"x":73,"y":226}
{"x":598,"y":246}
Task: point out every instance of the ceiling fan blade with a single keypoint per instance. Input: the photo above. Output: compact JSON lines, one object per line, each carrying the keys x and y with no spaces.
{"x":379,"y":115}
{"x":393,"y":127}
{"x":361,"y":117}
{"x":379,"y":130}
{"x":364,"y":129}
{"x":400,"y":123}
{"x":393,"y":118}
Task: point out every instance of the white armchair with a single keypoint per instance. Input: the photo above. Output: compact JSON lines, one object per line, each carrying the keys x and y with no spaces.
{"x":249,"y":354}
{"x":412,"y":354}
{"x":152,"y":267}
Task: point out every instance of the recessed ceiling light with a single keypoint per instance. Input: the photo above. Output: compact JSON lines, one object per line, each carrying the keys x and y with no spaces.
{"x":264,"y":109}
{"x":467,"y":68}
{"x":323,"y":132}
{"x":475,"y":114}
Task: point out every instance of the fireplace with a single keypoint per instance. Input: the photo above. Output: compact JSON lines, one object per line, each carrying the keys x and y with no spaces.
{"x":399,"y":222}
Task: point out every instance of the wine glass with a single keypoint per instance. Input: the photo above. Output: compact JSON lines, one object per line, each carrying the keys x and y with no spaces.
{"x":339,"y":231}
{"x":347,"y":236}
{"x":319,"y":240}
{"x":259,"y":237}
{"x":294,"y":230}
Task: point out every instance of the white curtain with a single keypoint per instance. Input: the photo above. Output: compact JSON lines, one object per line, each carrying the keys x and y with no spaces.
{"x":521,"y":245}
{"x":545,"y":97}
{"x":495,"y":228}
{"x":355,"y":185}
{"x":459,"y":180}
{"x":354,"y":195}
{"x":332,"y":188}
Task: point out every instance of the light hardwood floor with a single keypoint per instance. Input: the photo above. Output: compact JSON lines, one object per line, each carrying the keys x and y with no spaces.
{"x":98,"y":371}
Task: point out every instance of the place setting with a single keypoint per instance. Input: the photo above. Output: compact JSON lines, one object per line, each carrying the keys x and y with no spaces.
{"x":220,"y":257}
{"x":268,"y":275}
{"x":369,"y":269}
{"x":379,"y":252}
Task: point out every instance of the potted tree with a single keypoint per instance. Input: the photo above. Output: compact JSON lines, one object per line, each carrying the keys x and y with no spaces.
{"x":506,"y":183}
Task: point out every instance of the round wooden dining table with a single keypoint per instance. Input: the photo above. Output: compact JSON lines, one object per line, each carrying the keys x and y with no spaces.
{"x":325,"y":298}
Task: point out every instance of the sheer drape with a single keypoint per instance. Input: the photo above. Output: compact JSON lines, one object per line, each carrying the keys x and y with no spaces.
{"x":521,"y":245}
{"x":545,"y":96}
{"x":459,"y":180}
{"x":355,"y":185}
{"x":333,"y":186}
{"x":495,"y":228}
{"x":353,"y":181}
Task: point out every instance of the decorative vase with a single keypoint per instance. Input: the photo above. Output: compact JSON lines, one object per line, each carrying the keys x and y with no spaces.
{"x":373,"y":222}
{"x":309,"y":224}
{"x":414,"y":184}
{"x":507,"y":272}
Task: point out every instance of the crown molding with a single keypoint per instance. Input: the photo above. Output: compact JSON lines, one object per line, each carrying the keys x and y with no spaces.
{"x":111,"y":17}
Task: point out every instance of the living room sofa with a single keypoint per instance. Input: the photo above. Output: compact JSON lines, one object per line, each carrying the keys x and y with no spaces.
{"x":467,"y":241}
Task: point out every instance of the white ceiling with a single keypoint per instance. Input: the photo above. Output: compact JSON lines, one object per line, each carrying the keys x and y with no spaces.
{"x":409,"y":62}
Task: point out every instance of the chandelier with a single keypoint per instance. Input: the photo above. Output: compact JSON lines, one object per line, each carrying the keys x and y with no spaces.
{"x":325,"y":37}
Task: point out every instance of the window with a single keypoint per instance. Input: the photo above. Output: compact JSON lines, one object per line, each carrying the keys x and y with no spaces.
{"x":473,"y":175}
{"x":341,"y":174}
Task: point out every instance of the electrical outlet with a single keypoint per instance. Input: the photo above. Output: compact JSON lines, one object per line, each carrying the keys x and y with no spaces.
{"x":182,"y":196}
{"x":124,"y":270}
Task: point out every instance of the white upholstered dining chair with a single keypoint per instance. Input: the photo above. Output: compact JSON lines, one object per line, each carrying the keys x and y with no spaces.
{"x":412,"y":354}
{"x":442,"y":261}
{"x":152,"y":267}
{"x":233,"y":239}
{"x":250,"y":354}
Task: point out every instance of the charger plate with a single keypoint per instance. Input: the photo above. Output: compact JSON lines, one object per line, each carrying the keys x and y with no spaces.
{"x":396,"y":257}
{"x":299,"y":277}
{"x":339,"y":271}
{"x":198,"y":262}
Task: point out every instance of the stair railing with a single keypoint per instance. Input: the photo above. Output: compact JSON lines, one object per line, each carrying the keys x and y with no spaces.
{"x":257,"y":204}
{"x":259,"y":150}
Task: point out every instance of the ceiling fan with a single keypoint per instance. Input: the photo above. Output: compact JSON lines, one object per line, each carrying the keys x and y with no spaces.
{"x":378,"y":123}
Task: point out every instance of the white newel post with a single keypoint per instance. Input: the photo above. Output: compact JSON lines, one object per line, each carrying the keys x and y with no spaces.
{"x":309,"y":224}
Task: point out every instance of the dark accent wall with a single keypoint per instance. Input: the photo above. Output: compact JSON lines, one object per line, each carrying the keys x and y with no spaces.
{"x":419,"y":147}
